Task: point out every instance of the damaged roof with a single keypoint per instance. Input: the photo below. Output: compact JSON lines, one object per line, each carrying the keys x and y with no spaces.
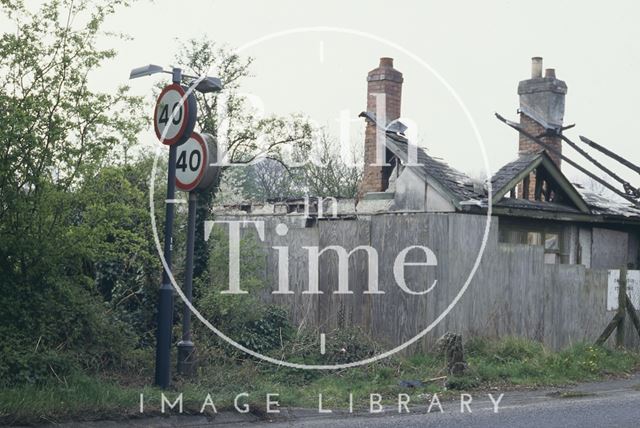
{"x":514,"y":172}
{"x":537,"y":205}
{"x":459,"y":186}
{"x":447,"y":180}
{"x":598,"y":206}
{"x":608,"y":207}
{"x":466,"y":194}
{"x":510,"y":171}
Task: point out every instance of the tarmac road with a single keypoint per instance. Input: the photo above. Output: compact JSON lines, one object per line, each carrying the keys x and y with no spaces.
{"x":619,"y":410}
{"x":612,"y":403}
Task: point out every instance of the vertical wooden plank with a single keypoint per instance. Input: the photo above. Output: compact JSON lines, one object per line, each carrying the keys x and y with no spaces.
{"x":343,"y":310}
{"x":622,"y":305}
{"x":513,"y":292}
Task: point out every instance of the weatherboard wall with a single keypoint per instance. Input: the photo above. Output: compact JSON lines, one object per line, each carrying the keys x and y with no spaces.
{"x":513,"y":292}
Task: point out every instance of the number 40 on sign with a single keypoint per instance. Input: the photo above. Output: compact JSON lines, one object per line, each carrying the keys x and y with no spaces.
{"x":193,"y":163}
{"x":175,"y":115}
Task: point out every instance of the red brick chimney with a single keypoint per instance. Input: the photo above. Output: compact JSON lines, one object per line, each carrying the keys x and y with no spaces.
{"x":384,"y":93}
{"x":541,"y":99}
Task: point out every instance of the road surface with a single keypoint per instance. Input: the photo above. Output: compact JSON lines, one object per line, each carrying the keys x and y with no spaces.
{"x":613,"y":403}
{"x":613,"y":409}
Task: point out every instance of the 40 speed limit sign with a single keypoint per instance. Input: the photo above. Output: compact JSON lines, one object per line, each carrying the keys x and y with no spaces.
{"x":193,"y":163}
{"x":173,"y":118}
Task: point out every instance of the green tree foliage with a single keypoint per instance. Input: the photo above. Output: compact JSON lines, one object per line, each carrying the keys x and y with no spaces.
{"x":245,"y":134}
{"x":78,"y":266}
{"x":68,"y":232}
{"x":113,"y":214}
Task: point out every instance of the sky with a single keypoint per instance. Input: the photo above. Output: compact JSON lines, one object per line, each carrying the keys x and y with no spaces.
{"x":479,"y":50}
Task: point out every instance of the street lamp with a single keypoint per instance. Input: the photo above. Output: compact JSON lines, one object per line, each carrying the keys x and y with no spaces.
{"x":146,"y":70}
{"x":209,"y":84}
{"x":206,"y":85}
{"x":165,"y":301}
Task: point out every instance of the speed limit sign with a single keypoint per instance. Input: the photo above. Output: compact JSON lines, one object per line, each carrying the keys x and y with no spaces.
{"x":173,"y":118}
{"x":193,"y":163}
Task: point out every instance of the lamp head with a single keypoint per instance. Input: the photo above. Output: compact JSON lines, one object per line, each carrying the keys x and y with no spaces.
{"x":146,"y":70}
{"x":209,"y":84}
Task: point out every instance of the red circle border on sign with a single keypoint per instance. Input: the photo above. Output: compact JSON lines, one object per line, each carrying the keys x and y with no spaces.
{"x":185,"y":116}
{"x":205,"y":160}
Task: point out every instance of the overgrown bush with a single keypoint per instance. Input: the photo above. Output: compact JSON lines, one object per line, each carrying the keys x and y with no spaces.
{"x":53,"y":328}
{"x":244,"y":318}
{"x":58,"y":237}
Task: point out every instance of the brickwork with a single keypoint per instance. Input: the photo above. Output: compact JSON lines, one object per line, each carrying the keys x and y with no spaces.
{"x":384,"y":92}
{"x":541,"y":98}
{"x":526,"y":145}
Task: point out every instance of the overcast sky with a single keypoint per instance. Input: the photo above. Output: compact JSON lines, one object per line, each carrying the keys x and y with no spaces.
{"x":481,"y":48}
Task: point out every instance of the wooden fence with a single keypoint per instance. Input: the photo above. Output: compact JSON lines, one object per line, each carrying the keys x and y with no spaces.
{"x":513,"y":292}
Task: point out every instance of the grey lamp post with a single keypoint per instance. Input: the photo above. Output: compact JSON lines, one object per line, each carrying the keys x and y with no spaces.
{"x":186,"y":348}
{"x":165,"y":301}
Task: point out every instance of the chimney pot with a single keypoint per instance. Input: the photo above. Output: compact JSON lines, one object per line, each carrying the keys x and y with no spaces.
{"x":536,"y":67}
{"x":542,"y":102}
{"x":386,"y":62}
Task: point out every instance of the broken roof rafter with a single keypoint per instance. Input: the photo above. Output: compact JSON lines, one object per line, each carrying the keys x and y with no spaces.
{"x":628,"y":188}
{"x":547,"y":126}
{"x":551,"y":149}
{"x":609,"y":153}
{"x":515,"y":172}
{"x":564,"y":184}
{"x":557,"y":130}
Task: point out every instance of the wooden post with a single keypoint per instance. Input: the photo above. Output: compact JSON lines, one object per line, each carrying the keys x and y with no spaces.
{"x":633,"y":315}
{"x":609,"y":329}
{"x":622,"y":305}
{"x":450,"y":344}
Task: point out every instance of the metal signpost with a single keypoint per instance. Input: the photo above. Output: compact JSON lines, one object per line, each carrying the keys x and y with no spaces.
{"x":174,"y":119}
{"x":180,"y":122}
{"x":194,"y":172}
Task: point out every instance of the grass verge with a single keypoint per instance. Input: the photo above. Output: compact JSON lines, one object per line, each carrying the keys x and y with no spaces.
{"x":503,"y":364}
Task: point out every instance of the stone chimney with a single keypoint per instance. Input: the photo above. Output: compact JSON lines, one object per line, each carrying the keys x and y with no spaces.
{"x":384,"y":92}
{"x":542,"y":99}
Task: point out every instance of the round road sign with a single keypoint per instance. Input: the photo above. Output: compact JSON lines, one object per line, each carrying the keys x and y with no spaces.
{"x":193,"y":169}
{"x":178,"y":126}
